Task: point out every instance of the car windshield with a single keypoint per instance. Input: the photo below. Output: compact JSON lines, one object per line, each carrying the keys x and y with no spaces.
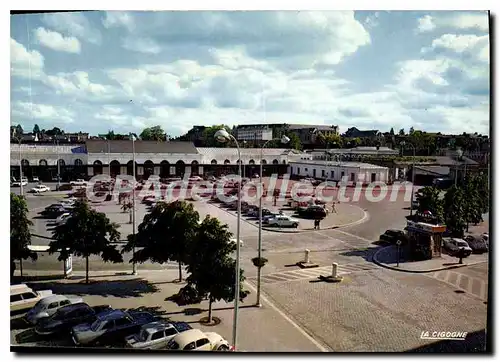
{"x":143,"y":337}
{"x":96,"y":325}
{"x":39,"y":306}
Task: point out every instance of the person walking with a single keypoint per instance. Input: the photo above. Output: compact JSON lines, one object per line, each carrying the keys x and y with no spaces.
{"x":333,"y":208}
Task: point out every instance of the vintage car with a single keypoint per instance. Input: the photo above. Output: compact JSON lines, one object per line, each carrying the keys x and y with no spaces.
{"x":283,"y":221}
{"x":48,"y":306}
{"x":39,"y":189}
{"x":110,"y":327}
{"x":23,"y":297}
{"x":156,"y":335}
{"x":67,"y":317}
{"x":196,"y":340}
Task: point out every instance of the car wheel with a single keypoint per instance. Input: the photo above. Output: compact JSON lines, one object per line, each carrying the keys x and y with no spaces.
{"x":223,"y":348}
{"x":295,"y":225}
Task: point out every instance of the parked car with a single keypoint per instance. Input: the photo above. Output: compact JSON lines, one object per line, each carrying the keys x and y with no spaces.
{"x":69,"y":316}
{"x":283,"y":221}
{"x":23,"y":297}
{"x":61,"y":219}
{"x":310,"y":180}
{"x":255,"y":175}
{"x":35,"y":179}
{"x":23,"y":181}
{"x":48,"y":306}
{"x":478,"y":243}
{"x":233,"y":240}
{"x":53,"y":211}
{"x":391,"y":236}
{"x":196,"y":340}
{"x":453,"y":246}
{"x":312,"y":212}
{"x":110,"y":327}
{"x":78,"y":182}
{"x":39,"y":189}
{"x":156,"y":335}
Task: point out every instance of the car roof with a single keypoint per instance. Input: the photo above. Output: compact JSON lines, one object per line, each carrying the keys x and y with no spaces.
{"x":157,"y":326}
{"x":111,"y":315}
{"x":189,"y":336}
{"x":53,"y":298}
{"x":70,"y":307}
{"x":18,"y":287}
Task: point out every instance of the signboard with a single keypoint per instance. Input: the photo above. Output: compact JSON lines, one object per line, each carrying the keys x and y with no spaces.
{"x":68,"y":265}
{"x":420,"y":226}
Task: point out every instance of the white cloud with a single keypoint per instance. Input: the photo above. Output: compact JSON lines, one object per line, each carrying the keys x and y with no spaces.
{"x":141,"y":45}
{"x":75,"y":24}
{"x":460,"y":43}
{"x":56,"y":41}
{"x":372,"y":21}
{"x":472,"y":21}
{"x":425,"y":24}
{"x":24,"y":63}
{"x":114,"y":19}
{"x":43,"y":112}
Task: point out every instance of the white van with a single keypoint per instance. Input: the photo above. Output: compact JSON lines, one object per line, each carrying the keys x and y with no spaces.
{"x":23,"y":297}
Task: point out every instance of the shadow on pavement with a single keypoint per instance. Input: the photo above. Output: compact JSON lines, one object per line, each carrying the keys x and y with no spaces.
{"x":474,"y":342}
{"x":366,"y":253}
{"x":156,"y":311}
{"x":28,"y":336}
{"x":117,"y":288}
{"x":18,"y":323}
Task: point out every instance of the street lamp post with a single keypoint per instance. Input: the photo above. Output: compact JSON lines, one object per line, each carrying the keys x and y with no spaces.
{"x":283,"y":139}
{"x":58,"y":166}
{"x":223,"y":136}
{"x":134,"y":267}
{"x":412,"y":177}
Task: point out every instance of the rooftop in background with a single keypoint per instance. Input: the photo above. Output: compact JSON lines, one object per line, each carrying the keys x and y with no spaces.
{"x":125,"y":146}
{"x":357,"y":150}
{"x":336,"y":164}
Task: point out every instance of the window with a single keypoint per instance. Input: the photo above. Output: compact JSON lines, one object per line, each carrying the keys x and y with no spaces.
{"x":121,"y":322}
{"x":306,"y":169}
{"x":53,"y":305}
{"x":157,"y":335}
{"x":170,"y":332}
{"x":15,"y":298}
{"x":190,"y":347}
{"x":201,"y":342}
{"x":323,"y":173}
{"x":28,"y":295}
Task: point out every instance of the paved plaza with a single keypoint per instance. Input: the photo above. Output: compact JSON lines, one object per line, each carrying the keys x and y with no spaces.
{"x":372,"y":309}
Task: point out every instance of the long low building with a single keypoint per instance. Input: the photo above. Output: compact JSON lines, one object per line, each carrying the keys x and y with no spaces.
{"x":152,"y":158}
{"x":356,"y":172}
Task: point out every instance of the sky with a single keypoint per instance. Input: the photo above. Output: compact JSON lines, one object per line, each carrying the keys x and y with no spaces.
{"x":124,"y":71}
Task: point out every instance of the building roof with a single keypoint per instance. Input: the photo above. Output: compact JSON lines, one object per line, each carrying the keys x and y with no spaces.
{"x":124,"y":146}
{"x":337,"y":164}
{"x":357,"y":150}
{"x":215,"y":151}
{"x":432,"y":170}
{"x":452,"y":161}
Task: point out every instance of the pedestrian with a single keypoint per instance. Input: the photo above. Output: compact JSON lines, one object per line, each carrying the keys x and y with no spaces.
{"x":333,"y":208}
{"x":318,"y":223}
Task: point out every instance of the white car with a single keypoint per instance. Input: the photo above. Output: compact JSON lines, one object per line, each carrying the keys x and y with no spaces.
{"x":156,"y":335}
{"x":283,"y":221}
{"x":48,"y":306}
{"x":79,"y":182}
{"x":40,"y":188}
{"x":23,"y":297}
{"x":233,"y":241}
{"x":196,"y":178}
{"x":196,"y":340}
{"x":61,"y":219}
{"x":35,"y":179}
{"x":24,"y":182}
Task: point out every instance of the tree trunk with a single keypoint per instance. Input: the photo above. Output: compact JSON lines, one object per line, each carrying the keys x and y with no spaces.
{"x":210,"y":300}
{"x":180,"y":272}
{"x":130,"y":217}
{"x":87,"y":269}
{"x":64,"y":269}
{"x":21,"y":267}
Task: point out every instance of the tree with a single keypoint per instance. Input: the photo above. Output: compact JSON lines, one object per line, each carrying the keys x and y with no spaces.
{"x":391,"y":132}
{"x":208,"y":136}
{"x":36,"y":129}
{"x":402,"y":132}
{"x":472,"y":202}
{"x":54,"y":132}
{"x":165,"y":234}
{"x":19,"y":130}
{"x":429,"y":200}
{"x":86,"y":232}
{"x":20,"y":236}
{"x":294,"y":141}
{"x":110,"y":135}
{"x":155,"y":133}
{"x":411,"y":131}
{"x":454,"y":211}
{"x":211,"y":266}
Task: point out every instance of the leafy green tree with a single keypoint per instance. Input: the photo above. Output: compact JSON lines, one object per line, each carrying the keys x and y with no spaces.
{"x":402,"y":132}
{"x":20,"y":236}
{"x":454,"y":211}
{"x":155,"y":133}
{"x":391,"y":132}
{"x":294,"y":141}
{"x":86,"y":232}
{"x":472,"y":202}
{"x":211,"y":266}
{"x":165,"y":234}
{"x":208,"y":136}
{"x":429,"y":200}
{"x":411,"y":131}
{"x":19,"y":130}
{"x":36,"y":129}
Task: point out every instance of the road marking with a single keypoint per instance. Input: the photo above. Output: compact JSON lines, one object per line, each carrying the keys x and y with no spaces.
{"x":300,"y":329}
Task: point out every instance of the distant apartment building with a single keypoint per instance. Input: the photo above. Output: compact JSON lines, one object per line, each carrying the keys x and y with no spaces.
{"x":308,"y":133}
{"x":353,"y":132}
{"x":254,"y":134}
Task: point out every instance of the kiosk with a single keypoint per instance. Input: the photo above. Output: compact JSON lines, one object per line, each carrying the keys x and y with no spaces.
{"x":425,"y":236}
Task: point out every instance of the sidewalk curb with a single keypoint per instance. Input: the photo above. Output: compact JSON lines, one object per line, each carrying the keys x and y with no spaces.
{"x":383,"y":265}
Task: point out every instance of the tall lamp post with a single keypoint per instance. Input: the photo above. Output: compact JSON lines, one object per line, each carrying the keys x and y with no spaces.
{"x":412,"y":176}
{"x":134,"y":267}
{"x":283,"y":139}
{"x":223,"y":136}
